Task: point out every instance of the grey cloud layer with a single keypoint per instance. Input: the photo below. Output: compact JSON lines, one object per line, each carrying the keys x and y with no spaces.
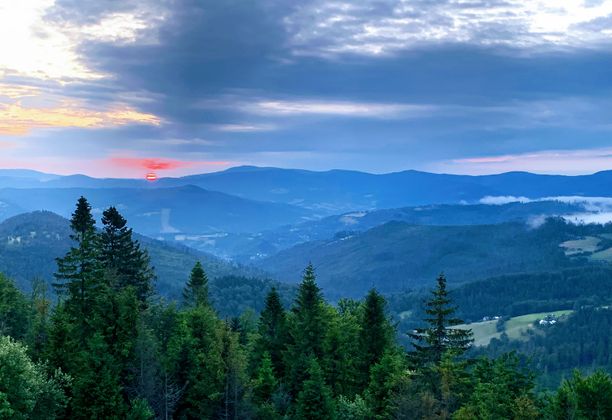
{"x":369,"y":84}
{"x":378,"y":27}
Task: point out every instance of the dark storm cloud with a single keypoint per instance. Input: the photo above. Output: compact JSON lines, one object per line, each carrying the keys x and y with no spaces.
{"x":284,"y":80}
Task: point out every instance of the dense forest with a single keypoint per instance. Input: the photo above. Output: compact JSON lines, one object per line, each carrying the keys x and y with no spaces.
{"x":108,"y":347}
{"x":583,"y":339}
{"x":518,"y":294}
{"x":399,"y":255}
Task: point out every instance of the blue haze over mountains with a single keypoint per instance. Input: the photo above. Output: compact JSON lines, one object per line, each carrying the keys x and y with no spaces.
{"x":337,"y":191}
{"x":356,"y":226}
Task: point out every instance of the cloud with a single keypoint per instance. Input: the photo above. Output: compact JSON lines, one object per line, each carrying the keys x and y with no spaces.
{"x":579,"y":161}
{"x":244,"y":128}
{"x":16,"y":119}
{"x":503,"y":199}
{"x":597,"y":210}
{"x":592,"y":204}
{"x":376,"y":85}
{"x":379,"y":28}
{"x":338,"y":108}
{"x":17,"y":91}
{"x":589,"y":218}
{"x":41,"y":38}
{"x":296,"y":107}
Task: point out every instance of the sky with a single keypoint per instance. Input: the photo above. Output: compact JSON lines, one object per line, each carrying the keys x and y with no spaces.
{"x":119,"y":88}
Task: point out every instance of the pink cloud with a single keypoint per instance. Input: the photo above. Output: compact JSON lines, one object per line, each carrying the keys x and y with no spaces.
{"x":160,"y":164}
{"x":113,"y":167}
{"x":546,"y":161}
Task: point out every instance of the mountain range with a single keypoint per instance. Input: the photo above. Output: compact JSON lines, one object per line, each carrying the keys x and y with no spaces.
{"x":392,"y":231}
{"x":154,"y":211}
{"x":338,"y":191}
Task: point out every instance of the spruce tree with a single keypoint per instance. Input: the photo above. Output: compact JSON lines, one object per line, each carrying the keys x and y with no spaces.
{"x":497,"y":389}
{"x":265,"y":381}
{"x":38,"y":333}
{"x":121,"y":254}
{"x":199,"y":364}
{"x":14,"y":311}
{"x":385,"y":378}
{"x":432,"y":342}
{"x":272,"y":330}
{"x":341,"y":362}
{"x":375,"y":336}
{"x":82,"y":222}
{"x":309,"y":316}
{"x":314,"y":401}
{"x":196,"y":289}
{"x":234,"y":368}
{"x":96,"y":387}
{"x":308,"y":329}
{"x":78,"y":272}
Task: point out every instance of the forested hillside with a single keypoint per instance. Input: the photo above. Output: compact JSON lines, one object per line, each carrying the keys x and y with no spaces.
{"x":110,"y":349}
{"x":581,"y":341}
{"x":254,"y":246}
{"x":577,"y":340}
{"x":519,"y":294}
{"x":398,"y":256}
{"x":30,"y":243}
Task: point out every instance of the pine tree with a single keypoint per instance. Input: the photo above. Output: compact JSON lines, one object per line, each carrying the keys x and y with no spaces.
{"x":121,"y":254}
{"x":341,"y":362}
{"x":96,"y":387}
{"x":62,"y":345}
{"x":170,"y":335}
{"x":14,"y":311}
{"x":436,"y":348}
{"x":314,"y":400}
{"x":385,"y":378}
{"x":498,"y":388}
{"x":308,"y":329}
{"x":309,"y":316}
{"x":79,"y":273}
{"x":199,"y":363}
{"x":265,"y":382}
{"x":39,"y":321}
{"x":196,"y":289}
{"x":234,"y":361}
{"x":272,"y":328}
{"x":82,"y":222}
{"x":582,"y":397}
{"x":431,"y":343}
{"x":375,"y":336}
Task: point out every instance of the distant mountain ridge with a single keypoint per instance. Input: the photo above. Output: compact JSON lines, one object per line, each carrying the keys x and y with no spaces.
{"x":338,"y":191}
{"x":153,"y":211}
{"x":251,"y":247}
{"x":30,"y":242}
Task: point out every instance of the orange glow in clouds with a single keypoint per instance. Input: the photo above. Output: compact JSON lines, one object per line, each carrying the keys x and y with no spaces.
{"x":16,"y":119}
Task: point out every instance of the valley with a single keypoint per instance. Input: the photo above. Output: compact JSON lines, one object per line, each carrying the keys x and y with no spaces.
{"x":522,"y":272}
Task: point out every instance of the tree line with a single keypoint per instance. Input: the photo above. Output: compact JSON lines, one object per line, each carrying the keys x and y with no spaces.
{"x":109,"y":348}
